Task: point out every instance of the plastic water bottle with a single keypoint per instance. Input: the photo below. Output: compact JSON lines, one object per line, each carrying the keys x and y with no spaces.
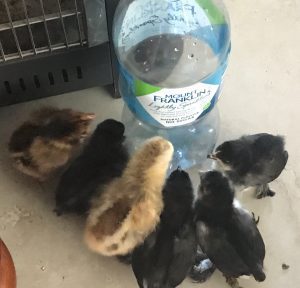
{"x":172,"y":55}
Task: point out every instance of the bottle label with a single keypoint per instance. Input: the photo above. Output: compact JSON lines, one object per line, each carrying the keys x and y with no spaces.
{"x":175,"y":107}
{"x":165,"y":107}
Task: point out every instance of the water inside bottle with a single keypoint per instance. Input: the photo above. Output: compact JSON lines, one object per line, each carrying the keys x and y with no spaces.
{"x":170,"y":60}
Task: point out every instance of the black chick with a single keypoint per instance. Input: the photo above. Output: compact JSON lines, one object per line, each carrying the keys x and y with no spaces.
{"x":102,"y":160}
{"x":167,"y":255}
{"x":253,"y":160}
{"x":226,"y":232}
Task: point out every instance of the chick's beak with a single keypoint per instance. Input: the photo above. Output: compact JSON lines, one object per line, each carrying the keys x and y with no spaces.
{"x":212,"y":156}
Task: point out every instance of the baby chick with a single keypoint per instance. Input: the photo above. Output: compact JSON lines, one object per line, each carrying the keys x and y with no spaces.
{"x":128,"y":209}
{"x":253,"y":160}
{"x":46,"y":141}
{"x":103,"y":159}
{"x":226,"y":232}
{"x":167,"y":255}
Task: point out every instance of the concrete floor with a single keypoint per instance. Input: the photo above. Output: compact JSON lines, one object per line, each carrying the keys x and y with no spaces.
{"x":261,"y":93}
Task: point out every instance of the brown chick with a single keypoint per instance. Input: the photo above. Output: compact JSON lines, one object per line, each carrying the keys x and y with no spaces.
{"x":129,"y":209}
{"x":47,"y":140}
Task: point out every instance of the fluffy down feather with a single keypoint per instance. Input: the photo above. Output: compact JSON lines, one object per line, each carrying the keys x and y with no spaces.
{"x":128,"y":210}
{"x":103,"y":159}
{"x":47,"y":140}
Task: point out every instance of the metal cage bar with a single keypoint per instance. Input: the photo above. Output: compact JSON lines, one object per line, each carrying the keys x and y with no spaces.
{"x":41,"y":50}
{"x":29,"y":28}
{"x":2,"y":52}
{"x":78,"y":22}
{"x":62,"y":23}
{"x":39,"y":19}
{"x":43,"y":44}
{"x":45,"y":25}
{"x":13,"y":29}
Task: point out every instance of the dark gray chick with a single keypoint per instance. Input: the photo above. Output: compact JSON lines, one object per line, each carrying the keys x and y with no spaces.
{"x":167,"y":255}
{"x":226,"y":232}
{"x":253,"y":161}
{"x":102,"y":160}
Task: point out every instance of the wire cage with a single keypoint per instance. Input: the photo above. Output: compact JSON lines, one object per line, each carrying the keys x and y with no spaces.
{"x":45,"y":48}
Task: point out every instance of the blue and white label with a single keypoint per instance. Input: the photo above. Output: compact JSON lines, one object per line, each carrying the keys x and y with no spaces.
{"x":180,"y":106}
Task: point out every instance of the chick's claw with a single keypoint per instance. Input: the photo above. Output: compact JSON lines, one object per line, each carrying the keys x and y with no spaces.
{"x":270,"y":193}
{"x":254,"y":219}
{"x":232,"y":282}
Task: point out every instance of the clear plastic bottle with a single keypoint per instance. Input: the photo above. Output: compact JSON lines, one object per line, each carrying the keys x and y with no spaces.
{"x":172,"y":55}
{"x":191,"y":143}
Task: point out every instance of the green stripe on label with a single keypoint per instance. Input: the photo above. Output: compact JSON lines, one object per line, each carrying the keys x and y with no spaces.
{"x":207,"y":106}
{"x":213,"y":13}
{"x":142,"y":88}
